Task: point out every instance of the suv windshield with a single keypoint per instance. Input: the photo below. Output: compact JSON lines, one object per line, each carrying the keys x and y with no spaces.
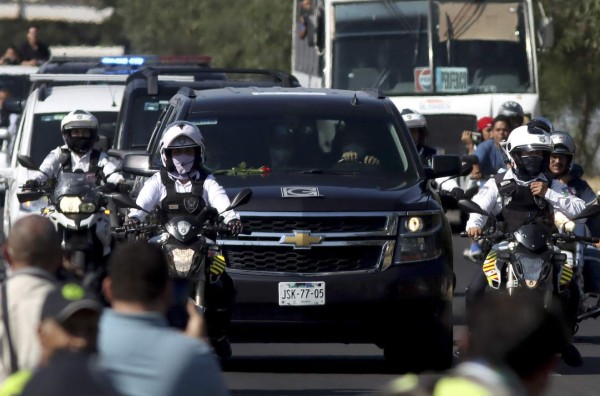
{"x":304,"y":144}
{"x":145,"y":110}
{"x":46,"y":132}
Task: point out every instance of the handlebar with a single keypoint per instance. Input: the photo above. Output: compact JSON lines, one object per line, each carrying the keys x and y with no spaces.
{"x":571,"y":237}
{"x":138,"y":228}
{"x":490,"y":234}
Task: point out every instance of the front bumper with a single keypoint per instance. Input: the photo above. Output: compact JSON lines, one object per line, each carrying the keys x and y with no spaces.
{"x":365,"y":307}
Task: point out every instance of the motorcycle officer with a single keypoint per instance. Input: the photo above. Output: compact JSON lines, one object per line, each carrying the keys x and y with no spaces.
{"x":184,"y":186}
{"x":80,"y":131}
{"x":417,"y":125}
{"x":522,"y":193}
{"x":568,"y":175}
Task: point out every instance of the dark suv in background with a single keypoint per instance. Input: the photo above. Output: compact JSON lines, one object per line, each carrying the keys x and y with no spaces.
{"x":148,"y":91}
{"x":332,"y":250}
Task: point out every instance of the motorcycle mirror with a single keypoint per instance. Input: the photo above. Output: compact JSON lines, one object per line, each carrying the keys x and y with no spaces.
{"x":29,"y":196}
{"x":27,"y":162}
{"x":240,"y":198}
{"x":589,"y":211}
{"x":125,"y":201}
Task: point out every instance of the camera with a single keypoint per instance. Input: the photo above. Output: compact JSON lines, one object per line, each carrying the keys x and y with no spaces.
{"x":476,"y":137}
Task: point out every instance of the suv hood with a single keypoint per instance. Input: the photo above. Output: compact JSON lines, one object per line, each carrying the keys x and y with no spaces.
{"x":325,"y":193}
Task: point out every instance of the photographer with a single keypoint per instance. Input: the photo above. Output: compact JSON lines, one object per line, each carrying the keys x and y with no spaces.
{"x":484,"y":132}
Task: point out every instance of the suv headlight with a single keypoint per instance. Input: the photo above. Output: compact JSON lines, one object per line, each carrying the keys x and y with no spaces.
{"x":34,"y":206}
{"x":418,"y":237}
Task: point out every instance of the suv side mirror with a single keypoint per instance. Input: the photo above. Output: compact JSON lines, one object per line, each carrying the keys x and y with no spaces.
{"x":137,"y":164}
{"x":444,"y":165}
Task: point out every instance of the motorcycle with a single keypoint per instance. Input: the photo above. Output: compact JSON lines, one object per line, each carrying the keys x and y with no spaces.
{"x":189,"y":243}
{"x":529,"y":257}
{"x":77,"y":207}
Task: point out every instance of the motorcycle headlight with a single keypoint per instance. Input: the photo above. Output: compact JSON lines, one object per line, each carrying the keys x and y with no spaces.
{"x":34,"y":206}
{"x":87,"y":207}
{"x":181,"y":261}
{"x":69,"y":204}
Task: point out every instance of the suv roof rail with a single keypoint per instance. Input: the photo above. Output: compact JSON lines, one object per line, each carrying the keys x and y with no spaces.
{"x":151,"y":75}
{"x":60,"y":79}
{"x":78,"y":77}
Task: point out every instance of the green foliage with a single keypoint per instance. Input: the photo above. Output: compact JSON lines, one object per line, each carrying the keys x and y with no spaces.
{"x":569,"y":74}
{"x":236,"y":33}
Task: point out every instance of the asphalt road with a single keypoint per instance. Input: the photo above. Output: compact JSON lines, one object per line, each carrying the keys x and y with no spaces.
{"x":341,"y":370}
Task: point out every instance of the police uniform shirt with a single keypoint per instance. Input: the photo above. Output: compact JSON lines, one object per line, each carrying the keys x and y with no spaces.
{"x":154,"y":191}
{"x":491,"y":202}
{"x":51,"y":165}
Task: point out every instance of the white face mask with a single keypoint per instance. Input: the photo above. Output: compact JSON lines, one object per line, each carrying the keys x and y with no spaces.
{"x":183,"y":163}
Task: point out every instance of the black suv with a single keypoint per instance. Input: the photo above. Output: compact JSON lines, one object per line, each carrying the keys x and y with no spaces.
{"x":333,"y":250}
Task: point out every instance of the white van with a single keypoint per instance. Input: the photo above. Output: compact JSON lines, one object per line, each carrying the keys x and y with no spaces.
{"x":39,"y":133}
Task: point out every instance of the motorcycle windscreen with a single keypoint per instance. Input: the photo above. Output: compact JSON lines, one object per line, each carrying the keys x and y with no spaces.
{"x":532,"y":270}
{"x":532,"y":236}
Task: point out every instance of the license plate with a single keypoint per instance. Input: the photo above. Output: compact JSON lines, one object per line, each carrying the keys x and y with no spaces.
{"x":301,"y":293}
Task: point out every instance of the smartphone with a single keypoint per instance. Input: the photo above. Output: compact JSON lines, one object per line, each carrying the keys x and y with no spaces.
{"x":476,"y":137}
{"x":177,"y":314}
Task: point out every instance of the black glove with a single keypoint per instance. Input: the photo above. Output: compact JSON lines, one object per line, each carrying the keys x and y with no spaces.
{"x":31,"y":185}
{"x":123,"y":187}
{"x":131,"y":222}
{"x":457,"y":193}
{"x":235,"y":227}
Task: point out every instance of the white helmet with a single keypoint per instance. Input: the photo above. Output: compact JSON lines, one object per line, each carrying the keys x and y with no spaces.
{"x":412,"y":119}
{"x":528,"y":148}
{"x":181,"y":134}
{"x":79,"y":119}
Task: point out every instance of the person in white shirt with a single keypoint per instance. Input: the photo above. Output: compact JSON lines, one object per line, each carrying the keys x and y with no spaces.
{"x":184,"y":187}
{"x":79,"y":130}
{"x":521,"y":195}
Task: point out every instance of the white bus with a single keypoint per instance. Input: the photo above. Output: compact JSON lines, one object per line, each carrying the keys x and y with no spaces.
{"x":452,"y":60}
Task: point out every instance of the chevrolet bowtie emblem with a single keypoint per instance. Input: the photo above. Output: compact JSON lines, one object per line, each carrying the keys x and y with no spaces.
{"x":301,"y":239}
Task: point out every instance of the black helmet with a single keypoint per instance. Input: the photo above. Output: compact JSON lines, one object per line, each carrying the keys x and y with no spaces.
{"x":514,"y":112}
{"x":542,"y":122}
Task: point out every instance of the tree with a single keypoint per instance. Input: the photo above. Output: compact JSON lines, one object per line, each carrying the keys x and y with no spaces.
{"x":570,"y":76}
{"x":236,"y":33}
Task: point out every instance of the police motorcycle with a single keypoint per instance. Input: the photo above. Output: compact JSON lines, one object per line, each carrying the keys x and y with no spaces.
{"x":587,"y":257}
{"x":189,"y":244}
{"x":77,"y":207}
{"x":528,"y":257}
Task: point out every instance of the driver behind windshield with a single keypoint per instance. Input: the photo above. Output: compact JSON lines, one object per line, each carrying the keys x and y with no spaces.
{"x":355,"y":146}
{"x":80,"y":131}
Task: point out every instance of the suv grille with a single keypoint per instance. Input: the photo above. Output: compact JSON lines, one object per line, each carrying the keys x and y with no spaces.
{"x":314,"y":224}
{"x":315,"y":260}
